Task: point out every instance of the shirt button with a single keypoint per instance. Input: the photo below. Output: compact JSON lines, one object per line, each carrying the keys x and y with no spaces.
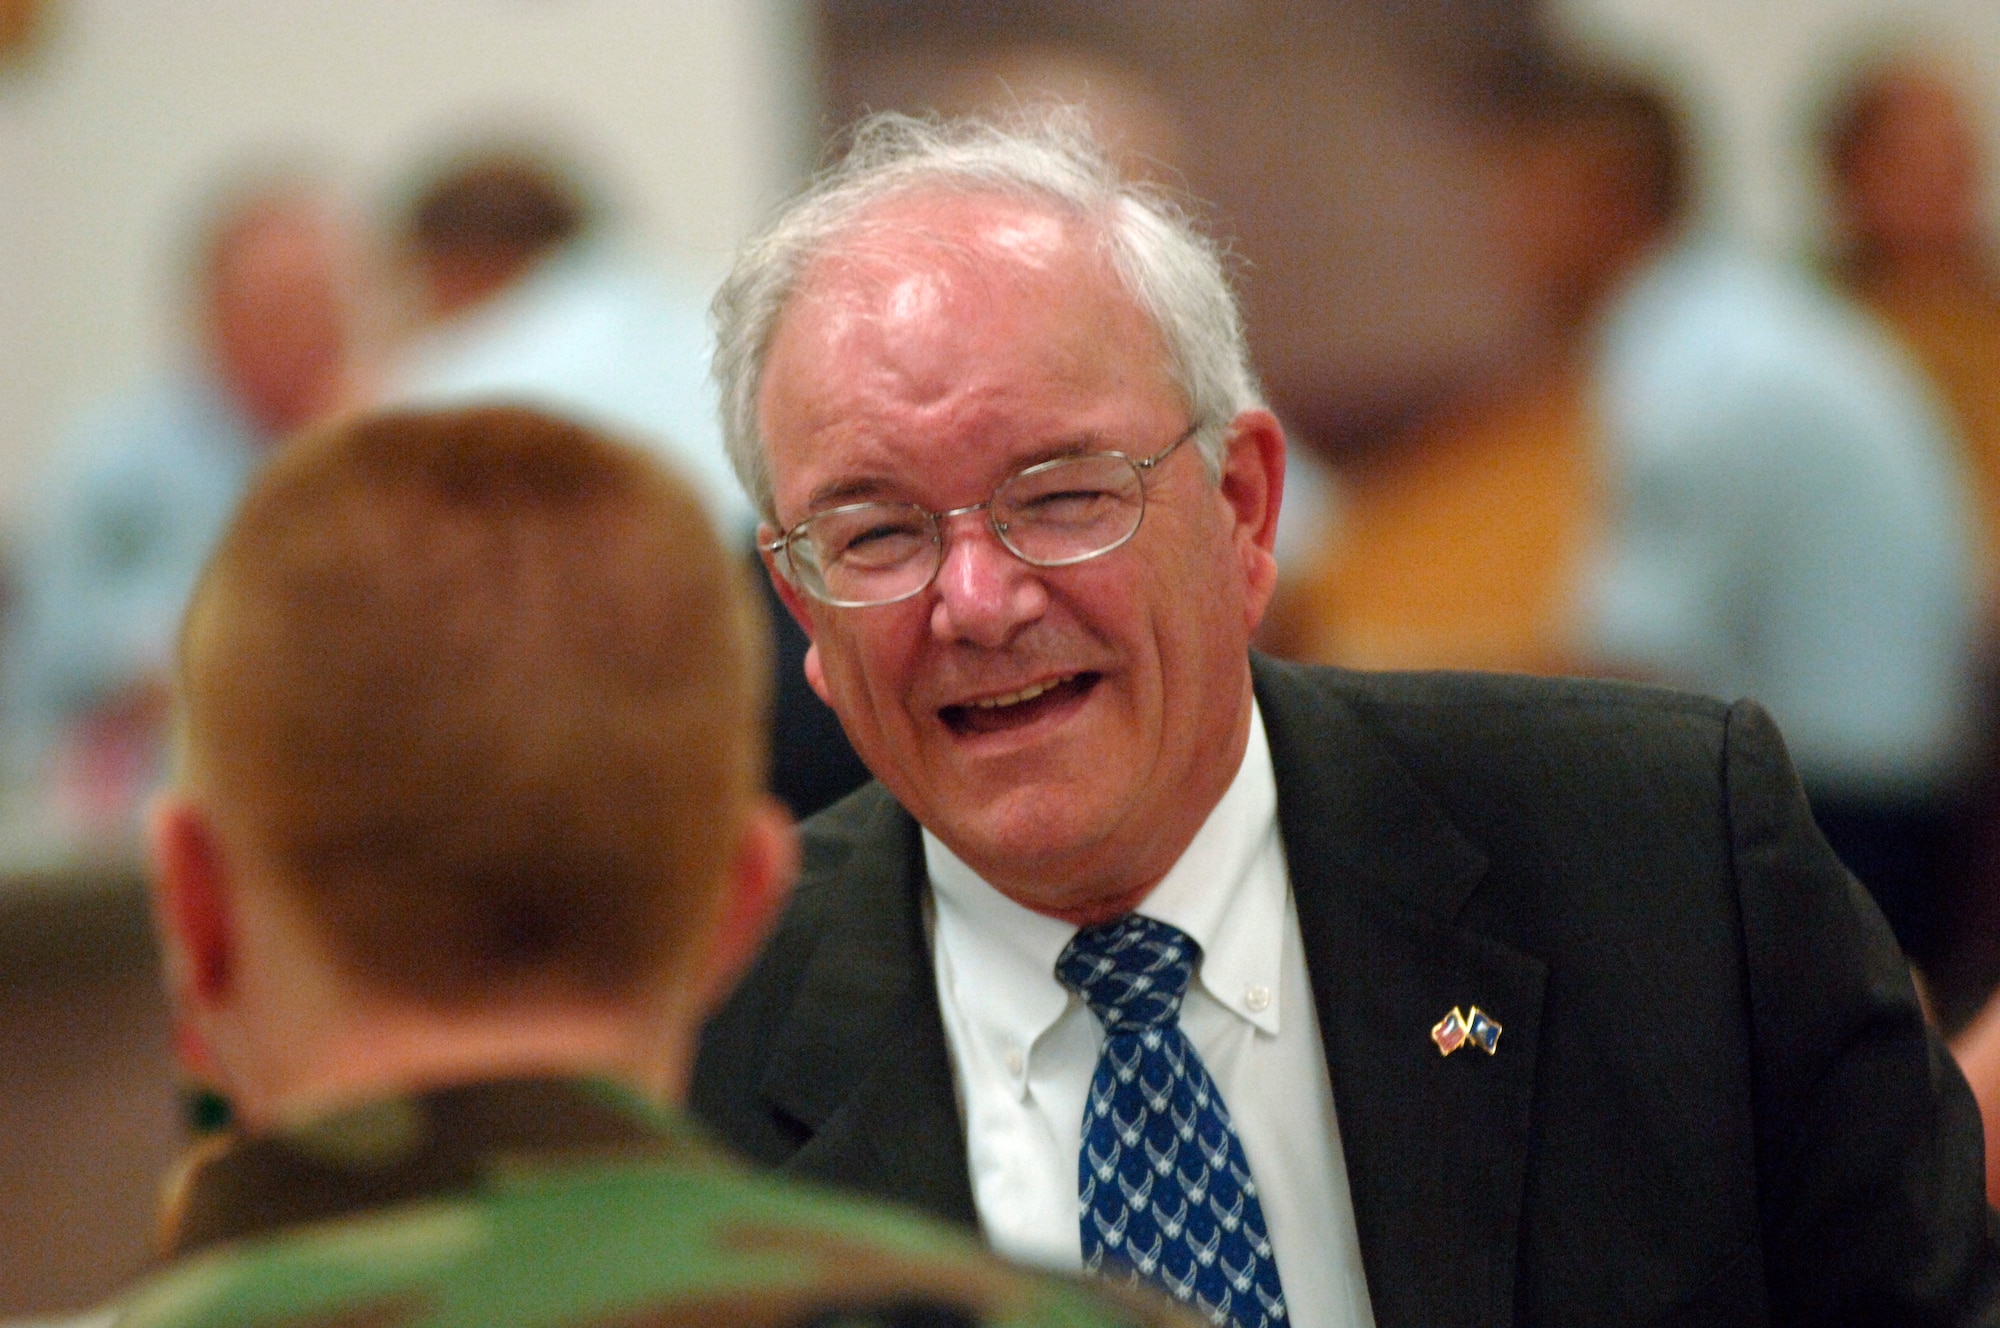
{"x":1016,"y":1062}
{"x":1258,"y":998}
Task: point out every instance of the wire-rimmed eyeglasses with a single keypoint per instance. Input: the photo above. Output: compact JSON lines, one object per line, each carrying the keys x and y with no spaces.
{"x":1050,"y":514}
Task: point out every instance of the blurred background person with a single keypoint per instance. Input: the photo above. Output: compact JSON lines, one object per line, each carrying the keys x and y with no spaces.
{"x":522,"y":291}
{"x":1907,"y":193}
{"x":1461,"y":538}
{"x":1699,"y":470}
{"x":1786,"y":519}
{"x":523,"y":294}
{"x":1904,"y":165}
{"x":134,"y":499}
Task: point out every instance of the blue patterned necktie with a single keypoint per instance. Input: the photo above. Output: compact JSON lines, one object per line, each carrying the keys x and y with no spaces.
{"x":1163,"y":1187}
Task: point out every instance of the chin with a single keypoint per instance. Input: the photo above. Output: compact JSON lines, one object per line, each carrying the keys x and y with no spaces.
{"x":1032,"y":830}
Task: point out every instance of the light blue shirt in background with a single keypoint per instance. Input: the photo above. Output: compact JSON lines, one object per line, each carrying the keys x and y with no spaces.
{"x":594,"y":335}
{"x":1787,"y":520}
{"x":118,"y":530}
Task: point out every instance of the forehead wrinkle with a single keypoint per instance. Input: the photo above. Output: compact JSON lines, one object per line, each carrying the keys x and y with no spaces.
{"x":901,"y":325}
{"x":898,"y":302}
{"x":1033,"y":232}
{"x":885,"y":336}
{"x":920,"y":250}
{"x":910,"y":267}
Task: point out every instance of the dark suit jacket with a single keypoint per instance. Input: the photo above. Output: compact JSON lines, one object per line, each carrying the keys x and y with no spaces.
{"x":1714,"y":1100}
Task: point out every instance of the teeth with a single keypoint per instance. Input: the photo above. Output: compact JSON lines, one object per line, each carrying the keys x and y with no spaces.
{"x":1025,"y":694}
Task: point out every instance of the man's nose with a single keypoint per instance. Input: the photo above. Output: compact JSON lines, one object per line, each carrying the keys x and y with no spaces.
{"x":984,"y":593}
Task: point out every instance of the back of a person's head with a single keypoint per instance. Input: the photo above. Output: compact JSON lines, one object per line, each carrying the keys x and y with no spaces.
{"x":482,"y":689}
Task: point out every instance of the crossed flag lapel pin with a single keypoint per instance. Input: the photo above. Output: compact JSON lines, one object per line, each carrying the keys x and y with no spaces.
{"x":1456,"y":1030}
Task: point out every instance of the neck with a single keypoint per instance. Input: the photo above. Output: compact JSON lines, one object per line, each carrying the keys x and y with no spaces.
{"x":402,"y":1051}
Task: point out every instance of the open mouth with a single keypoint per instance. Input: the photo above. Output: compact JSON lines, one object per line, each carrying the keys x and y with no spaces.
{"x":1013,"y":710}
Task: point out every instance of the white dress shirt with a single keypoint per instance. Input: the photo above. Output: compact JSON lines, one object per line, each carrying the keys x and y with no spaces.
{"x":1023,"y":1048}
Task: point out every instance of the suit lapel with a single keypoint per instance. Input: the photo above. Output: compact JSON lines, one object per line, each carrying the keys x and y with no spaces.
{"x":861,"y":1060}
{"x":1435,"y":1146}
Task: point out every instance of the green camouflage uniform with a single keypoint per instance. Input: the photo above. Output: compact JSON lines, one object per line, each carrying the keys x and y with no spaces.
{"x":554,"y":1202}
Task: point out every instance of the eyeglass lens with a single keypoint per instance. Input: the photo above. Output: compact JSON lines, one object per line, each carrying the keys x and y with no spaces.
{"x":1059,"y":512}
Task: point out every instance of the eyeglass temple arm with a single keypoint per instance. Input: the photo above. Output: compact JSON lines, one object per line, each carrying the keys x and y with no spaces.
{"x":1147,"y":463}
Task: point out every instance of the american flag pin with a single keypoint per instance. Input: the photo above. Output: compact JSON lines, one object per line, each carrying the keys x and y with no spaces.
{"x":1483,"y":1029}
{"x":1450,"y":1032}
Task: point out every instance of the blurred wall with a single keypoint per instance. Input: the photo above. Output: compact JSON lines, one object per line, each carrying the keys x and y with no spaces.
{"x":693,"y":112}
{"x":1753,"y":69}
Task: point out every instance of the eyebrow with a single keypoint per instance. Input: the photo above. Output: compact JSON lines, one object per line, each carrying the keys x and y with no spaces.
{"x":875,"y":488}
{"x":845,"y":491}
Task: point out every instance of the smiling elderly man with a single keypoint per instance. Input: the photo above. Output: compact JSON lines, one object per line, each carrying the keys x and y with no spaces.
{"x":1314,"y":997}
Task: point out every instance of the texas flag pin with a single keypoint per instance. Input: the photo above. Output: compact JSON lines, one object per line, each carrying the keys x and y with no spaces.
{"x":1483,"y":1029}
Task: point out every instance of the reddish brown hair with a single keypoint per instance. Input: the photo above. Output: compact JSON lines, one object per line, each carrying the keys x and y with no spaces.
{"x":487,"y":691}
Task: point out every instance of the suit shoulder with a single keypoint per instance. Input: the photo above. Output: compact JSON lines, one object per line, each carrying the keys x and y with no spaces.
{"x":1441,"y":689}
{"x":852,"y":921}
{"x":1509,"y":749}
{"x":867,"y":831}
{"x":1471,"y":705}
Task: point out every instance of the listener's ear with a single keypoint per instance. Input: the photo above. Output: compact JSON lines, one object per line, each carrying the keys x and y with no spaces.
{"x":191,"y":905}
{"x":760,"y":881}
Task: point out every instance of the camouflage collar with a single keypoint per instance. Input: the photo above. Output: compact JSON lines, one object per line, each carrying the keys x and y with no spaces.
{"x":398,"y":1150}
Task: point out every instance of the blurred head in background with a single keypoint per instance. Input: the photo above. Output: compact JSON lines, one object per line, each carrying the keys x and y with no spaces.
{"x":485,"y":219}
{"x":1902,"y":162}
{"x":276,"y":297}
{"x":469,"y":711}
{"x":1596,"y":178}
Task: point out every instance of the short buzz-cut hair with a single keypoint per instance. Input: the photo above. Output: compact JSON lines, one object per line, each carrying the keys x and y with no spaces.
{"x":1046,"y":156}
{"x":485,"y":691}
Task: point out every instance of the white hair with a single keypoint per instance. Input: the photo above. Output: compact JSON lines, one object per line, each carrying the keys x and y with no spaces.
{"x":1172,"y":271}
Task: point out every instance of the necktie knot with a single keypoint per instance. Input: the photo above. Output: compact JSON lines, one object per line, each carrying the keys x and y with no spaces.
{"x":1132,"y":972}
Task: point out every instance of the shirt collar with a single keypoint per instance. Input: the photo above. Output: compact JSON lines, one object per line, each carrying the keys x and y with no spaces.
{"x":1002,"y":955}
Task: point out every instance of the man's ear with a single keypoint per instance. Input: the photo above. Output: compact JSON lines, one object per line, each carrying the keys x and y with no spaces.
{"x":191,"y":903}
{"x":760,"y":881}
{"x":794,"y":599}
{"x":1252,"y":489}
{"x":799,"y":606}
